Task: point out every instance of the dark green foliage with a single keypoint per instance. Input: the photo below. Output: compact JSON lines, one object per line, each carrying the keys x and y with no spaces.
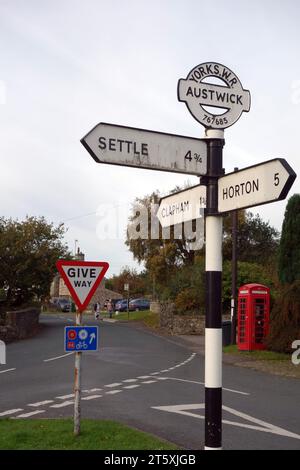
{"x":285,"y":319}
{"x":28,"y":253}
{"x":246,"y":273}
{"x":257,"y":241}
{"x":289,"y":249}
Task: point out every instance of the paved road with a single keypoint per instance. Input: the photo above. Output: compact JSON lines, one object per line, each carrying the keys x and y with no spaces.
{"x":150,"y":382}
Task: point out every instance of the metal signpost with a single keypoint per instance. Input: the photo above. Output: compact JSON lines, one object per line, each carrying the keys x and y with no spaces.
{"x":231,"y":100}
{"x":215,"y":97}
{"x":231,"y":97}
{"x":82,"y":279}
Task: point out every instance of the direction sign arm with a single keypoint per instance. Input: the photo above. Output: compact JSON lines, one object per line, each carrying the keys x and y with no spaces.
{"x":291,"y":178}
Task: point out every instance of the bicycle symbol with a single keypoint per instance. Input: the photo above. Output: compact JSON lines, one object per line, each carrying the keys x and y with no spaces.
{"x":81,"y":345}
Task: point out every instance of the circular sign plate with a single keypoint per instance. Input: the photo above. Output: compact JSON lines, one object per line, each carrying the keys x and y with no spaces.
{"x":72,"y":334}
{"x":216,"y":104}
{"x":83,"y":334}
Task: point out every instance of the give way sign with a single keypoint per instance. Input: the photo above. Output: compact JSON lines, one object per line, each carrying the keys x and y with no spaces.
{"x":82,"y":279}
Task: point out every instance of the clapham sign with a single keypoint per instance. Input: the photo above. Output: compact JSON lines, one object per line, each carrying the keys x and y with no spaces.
{"x":82,"y":279}
{"x":204,"y":99}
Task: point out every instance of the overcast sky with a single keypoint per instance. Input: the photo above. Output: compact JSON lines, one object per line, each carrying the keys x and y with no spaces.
{"x":66,"y":65}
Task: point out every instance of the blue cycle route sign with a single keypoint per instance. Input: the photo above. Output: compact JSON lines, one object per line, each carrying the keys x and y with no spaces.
{"x":81,"y":338}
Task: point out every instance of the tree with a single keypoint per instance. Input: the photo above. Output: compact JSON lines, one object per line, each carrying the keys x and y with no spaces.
{"x":137,"y":282}
{"x":257,"y":241}
{"x":289,"y":248}
{"x":28,"y":253}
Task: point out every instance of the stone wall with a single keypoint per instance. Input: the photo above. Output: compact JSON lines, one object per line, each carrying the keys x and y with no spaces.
{"x":180,"y":324}
{"x":174,"y":324}
{"x":20,"y":324}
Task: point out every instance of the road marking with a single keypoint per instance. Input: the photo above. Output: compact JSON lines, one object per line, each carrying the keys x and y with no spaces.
{"x":11,"y":412}
{"x":113,"y":392}
{"x":92,"y":390}
{"x":92,"y":397}
{"x":154,"y":373}
{"x":263,"y":426}
{"x":7,"y":370}
{"x":130,"y":380}
{"x":113,"y":385}
{"x":131,"y":386}
{"x":149,"y":382}
{"x":58,"y":357}
{"x":32,"y":413}
{"x":144,"y":377}
{"x":65,"y":397}
{"x":41,"y":403}
{"x":202,"y":383}
{"x":61,"y":405}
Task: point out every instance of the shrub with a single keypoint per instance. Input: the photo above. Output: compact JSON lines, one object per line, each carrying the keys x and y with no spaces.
{"x":189,"y":300}
{"x":285,"y":319}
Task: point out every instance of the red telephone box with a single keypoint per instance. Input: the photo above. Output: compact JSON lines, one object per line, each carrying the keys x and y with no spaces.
{"x":253,"y":316}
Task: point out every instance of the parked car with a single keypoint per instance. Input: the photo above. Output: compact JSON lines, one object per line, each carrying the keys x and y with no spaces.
{"x":139,"y":304}
{"x":62,"y":304}
{"x":114,"y":303}
{"x":121,"y":306}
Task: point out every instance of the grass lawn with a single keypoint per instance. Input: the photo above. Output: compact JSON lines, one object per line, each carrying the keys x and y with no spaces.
{"x":150,"y":319}
{"x":57,"y":434}
{"x":258,"y":355}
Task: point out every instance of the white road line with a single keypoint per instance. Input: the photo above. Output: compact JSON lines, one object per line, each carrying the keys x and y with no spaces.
{"x":65,"y":397}
{"x":11,"y":412}
{"x":92,"y":397}
{"x":258,"y":425}
{"x":41,"y":403}
{"x":165,"y":370}
{"x":162,"y":378}
{"x":58,"y":357}
{"x":149,"y":382}
{"x":154,"y":373}
{"x":202,"y":383}
{"x":92,"y":390}
{"x":113,"y":385}
{"x":113,"y":392}
{"x":131,"y":386}
{"x":130,"y":380}
{"x":61,"y":405}
{"x":7,"y":370}
{"x":32,"y":413}
{"x":144,"y":377}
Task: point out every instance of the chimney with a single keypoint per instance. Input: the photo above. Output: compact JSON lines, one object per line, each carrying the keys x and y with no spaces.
{"x":79,"y":255}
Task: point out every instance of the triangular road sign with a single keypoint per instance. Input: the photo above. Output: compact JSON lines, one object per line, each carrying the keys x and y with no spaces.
{"x":82,"y":279}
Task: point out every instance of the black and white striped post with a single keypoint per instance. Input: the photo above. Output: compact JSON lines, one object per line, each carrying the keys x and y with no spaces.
{"x":213,"y":268}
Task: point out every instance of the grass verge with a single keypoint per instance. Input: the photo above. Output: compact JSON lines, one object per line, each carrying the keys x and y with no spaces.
{"x":149,"y":318}
{"x":257,"y":355}
{"x":57,"y":434}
